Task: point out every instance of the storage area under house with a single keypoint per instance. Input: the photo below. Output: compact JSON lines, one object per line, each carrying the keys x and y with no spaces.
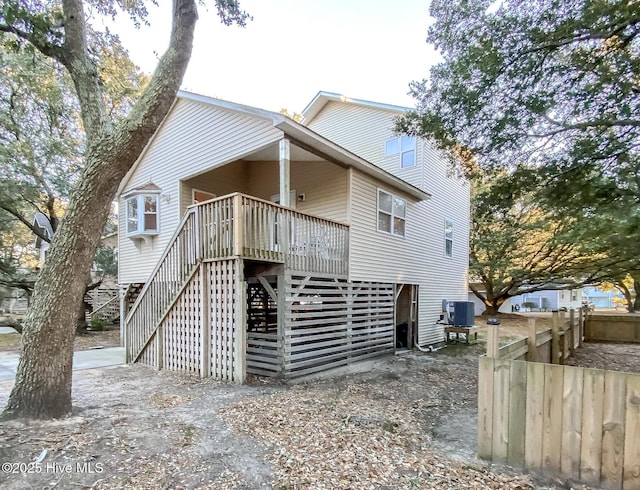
{"x":248,"y":286}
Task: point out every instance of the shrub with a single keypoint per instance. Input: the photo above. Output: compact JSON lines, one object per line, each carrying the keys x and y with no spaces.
{"x":97,"y":324}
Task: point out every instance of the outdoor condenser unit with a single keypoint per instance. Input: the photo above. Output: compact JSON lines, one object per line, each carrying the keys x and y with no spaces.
{"x":463,"y":315}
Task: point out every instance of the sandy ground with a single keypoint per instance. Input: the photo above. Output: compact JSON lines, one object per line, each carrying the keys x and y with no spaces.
{"x":396,"y":422}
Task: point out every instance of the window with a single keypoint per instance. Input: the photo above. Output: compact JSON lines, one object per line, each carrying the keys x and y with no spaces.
{"x":392,"y":213}
{"x":403,"y":145}
{"x":142,"y":214}
{"x":448,"y":237}
{"x":198,"y":196}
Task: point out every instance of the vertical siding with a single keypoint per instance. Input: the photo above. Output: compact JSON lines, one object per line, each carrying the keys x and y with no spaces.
{"x":194,"y":138}
{"x":418,"y":258}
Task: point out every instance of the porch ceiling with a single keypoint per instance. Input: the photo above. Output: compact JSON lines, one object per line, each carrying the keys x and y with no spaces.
{"x":272,"y":153}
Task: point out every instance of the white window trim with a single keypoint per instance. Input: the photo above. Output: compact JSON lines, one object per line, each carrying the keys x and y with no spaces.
{"x":193,"y":194}
{"x":402,"y":151}
{"x":391,"y":232}
{"x":447,"y":238}
{"x":140,"y":197}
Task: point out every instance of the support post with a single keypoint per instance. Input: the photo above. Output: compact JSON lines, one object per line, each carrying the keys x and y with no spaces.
{"x":238,"y":226}
{"x":160,"y":347}
{"x":563,"y":344}
{"x":283,"y":349}
{"x":581,"y":321}
{"x":285,"y":172}
{"x":205,"y":318}
{"x":572,"y":332}
{"x":493,"y":338}
{"x":555,"y":338}
{"x":240,"y":346}
{"x":532,"y":344}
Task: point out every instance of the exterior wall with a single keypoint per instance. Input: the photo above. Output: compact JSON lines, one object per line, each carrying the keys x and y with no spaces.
{"x":224,"y":180}
{"x":323,"y":184}
{"x":418,"y":258}
{"x":363,"y":131}
{"x":194,"y":137}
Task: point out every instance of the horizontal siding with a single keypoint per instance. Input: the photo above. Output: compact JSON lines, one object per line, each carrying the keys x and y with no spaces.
{"x":323,"y":184}
{"x":364,"y":131}
{"x":195,"y":137}
{"x":418,"y":258}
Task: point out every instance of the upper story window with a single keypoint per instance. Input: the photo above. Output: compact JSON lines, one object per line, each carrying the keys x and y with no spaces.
{"x":142,"y":211}
{"x":403,"y":145}
{"x":448,"y":237}
{"x":392,"y":213}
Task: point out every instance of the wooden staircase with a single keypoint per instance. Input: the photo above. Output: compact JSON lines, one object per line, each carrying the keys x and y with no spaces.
{"x":173,"y":272}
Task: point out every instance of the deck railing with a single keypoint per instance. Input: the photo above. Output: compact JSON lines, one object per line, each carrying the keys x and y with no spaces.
{"x":233,"y":226}
{"x":244,"y":226}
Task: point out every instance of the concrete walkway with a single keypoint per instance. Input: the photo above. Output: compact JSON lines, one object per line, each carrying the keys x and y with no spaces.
{"x":85,"y":359}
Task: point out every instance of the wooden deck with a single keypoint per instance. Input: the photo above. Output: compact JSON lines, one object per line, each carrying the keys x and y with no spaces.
{"x":173,"y":307}
{"x":242,"y":226}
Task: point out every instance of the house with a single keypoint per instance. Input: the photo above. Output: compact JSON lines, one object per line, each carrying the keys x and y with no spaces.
{"x":600,"y":298}
{"x":250,"y":243}
{"x":548,"y":300}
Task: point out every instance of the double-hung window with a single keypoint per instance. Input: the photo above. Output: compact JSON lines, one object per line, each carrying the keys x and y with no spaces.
{"x":448,"y":237}
{"x":392,"y":213}
{"x":403,"y":145}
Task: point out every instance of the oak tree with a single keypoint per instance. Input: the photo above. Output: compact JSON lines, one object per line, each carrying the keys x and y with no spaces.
{"x":59,"y":30}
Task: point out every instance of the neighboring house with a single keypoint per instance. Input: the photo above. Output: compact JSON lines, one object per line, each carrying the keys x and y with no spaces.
{"x":553,"y":299}
{"x":43,"y":225}
{"x":251,"y":243}
{"x":603,"y":299}
{"x":549,"y":300}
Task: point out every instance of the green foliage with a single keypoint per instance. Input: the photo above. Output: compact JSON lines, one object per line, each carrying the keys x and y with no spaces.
{"x":542,"y":97}
{"x":106,"y":261}
{"x":97,"y":324}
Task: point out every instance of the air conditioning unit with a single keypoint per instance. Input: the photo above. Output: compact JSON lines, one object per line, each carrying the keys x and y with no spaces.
{"x":463,"y":314}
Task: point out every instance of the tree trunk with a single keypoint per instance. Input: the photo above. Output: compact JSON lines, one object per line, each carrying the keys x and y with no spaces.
{"x":636,"y":301}
{"x":43,"y":380}
{"x":622,"y":287}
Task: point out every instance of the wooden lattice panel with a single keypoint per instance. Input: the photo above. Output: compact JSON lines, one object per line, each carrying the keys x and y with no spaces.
{"x":181,"y":330}
{"x":222,"y":276}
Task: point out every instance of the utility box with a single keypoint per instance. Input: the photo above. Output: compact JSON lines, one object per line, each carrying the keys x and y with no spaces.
{"x":463,"y":314}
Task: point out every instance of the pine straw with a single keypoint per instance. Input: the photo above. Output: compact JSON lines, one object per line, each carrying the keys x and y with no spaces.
{"x":359,"y":437}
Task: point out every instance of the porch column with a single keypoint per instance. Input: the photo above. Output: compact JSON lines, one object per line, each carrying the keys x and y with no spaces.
{"x":285,"y":168}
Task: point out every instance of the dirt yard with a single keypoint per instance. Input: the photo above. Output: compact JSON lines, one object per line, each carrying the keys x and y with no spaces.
{"x":394,"y":423}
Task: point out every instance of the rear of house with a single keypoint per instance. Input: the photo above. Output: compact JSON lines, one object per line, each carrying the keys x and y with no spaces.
{"x":252,"y":244}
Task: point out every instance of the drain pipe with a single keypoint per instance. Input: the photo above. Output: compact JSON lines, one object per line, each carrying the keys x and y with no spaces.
{"x":430,"y":348}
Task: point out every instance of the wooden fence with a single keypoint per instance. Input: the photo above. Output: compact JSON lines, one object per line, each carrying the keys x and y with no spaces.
{"x":581,"y":423}
{"x":613,"y":328}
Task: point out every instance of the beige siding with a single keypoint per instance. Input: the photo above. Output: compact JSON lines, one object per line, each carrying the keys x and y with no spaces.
{"x":418,"y":258}
{"x":194,"y":138}
{"x":364,"y":131}
{"x":323,"y":184}
{"x":221,"y":181}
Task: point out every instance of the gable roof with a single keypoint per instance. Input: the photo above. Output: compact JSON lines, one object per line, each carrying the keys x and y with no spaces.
{"x":299,"y":135}
{"x":322,"y":98}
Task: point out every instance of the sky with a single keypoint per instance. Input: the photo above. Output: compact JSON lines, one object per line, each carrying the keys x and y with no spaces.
{"x":364,"y":49}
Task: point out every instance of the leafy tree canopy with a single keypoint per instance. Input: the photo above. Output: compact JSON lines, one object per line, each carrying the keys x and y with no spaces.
{"x":547,"y":91}
{"x":552,"y":83}
{"x":62,"y":32}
